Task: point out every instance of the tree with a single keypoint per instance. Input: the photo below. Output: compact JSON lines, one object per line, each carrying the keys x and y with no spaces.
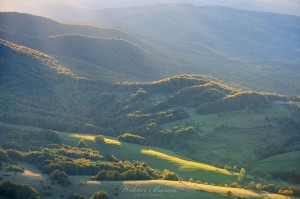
{"x":82,"y":144}
{"x":235,"y":185}
{"x":100,"y":195}
{"x":19,"y":191}
{"x":241,"y":175}
{"x":99,"y":139}
{"x":60,"y":177}
{"x":168,"y":175}
{"x":229,"y":194}
{"x":192,"y":180}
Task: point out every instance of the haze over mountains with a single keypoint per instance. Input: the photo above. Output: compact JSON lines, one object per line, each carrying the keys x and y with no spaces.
{"x":48,"y":6}
{"x":106,"y":50}
{"x":247,"y":49}
{"x":145,"y":95}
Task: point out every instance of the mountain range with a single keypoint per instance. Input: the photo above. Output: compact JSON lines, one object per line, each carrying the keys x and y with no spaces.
{"x":150,"y":95}
{"x":250,"y":50}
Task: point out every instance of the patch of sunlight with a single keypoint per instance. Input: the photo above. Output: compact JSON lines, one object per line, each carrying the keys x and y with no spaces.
{"x":85,"y":137}
{"x":91,"y":138}
{"x":185,"y":164}
{"x":112,"y":141}
{"x":28,"y":173}
{"x":93,"y":182}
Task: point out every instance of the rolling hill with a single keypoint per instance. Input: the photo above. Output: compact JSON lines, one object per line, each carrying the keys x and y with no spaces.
{"x":171,"y":39}
{"x":108,"y":53}
{"x":37,"y":90}
{"x":84,"y":108}
{"x":244,"y":48}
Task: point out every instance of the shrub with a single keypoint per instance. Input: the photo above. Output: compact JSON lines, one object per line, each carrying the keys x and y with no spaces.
{"x":270,"y":188}
{"x":168,"y":175}
{"x":108,"y":175}
{"x":132,"y":138}
{"x":60,"y":177}
{"x":241,"y":175}
{"x":258,"y":186}
{"x":99,"y":139}
{"x":192,"y":180}
{"x":229,"y":194}
{"x":287,"y":192}
{"x":19,"y":191}
{"x":100,"y":195}
{"x":82,"y":144}
{"x":235,"y":185}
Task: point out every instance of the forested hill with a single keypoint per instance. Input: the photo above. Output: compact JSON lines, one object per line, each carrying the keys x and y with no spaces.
{"x":36,"y":90}
{"x":97,"y":53}
{"x":22,"y":66}
{"x":26,"y":25}
{"x":257,"y":50}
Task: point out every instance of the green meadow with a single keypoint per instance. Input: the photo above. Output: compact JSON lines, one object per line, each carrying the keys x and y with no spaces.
{"x":156,"y":157}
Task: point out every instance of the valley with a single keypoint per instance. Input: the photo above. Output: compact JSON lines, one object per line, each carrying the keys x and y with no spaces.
{"x":162,"y":101}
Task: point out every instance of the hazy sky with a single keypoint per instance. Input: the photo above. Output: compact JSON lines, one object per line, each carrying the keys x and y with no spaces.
{"x":33,"y":6}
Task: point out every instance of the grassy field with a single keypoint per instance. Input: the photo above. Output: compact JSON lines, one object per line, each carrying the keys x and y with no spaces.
{"x":283,"y":162}
{"x":238,"y":119}
{"x":123,"y":189}
{"x":156,"y":157}
{"x":230,"y":138}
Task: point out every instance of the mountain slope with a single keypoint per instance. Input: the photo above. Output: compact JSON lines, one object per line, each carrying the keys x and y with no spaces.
{"x":249,"y":49}
{"x":90,"y":51}
{"x":222,"y":29}
{"x":116,"y":55}
{"x":23,"y":64}
{"x":25,"y":25}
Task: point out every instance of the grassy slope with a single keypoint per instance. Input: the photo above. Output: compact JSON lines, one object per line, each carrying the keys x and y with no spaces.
{"x":157,"y":158}
{"x":201,"y":37}
{"x":242,"y":132}
{"x":183,"y":190}
{"x":283,"y":162}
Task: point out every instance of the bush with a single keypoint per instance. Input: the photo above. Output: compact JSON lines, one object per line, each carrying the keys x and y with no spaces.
{"x":229,"y":194}
{"x":131,"y":138}
{"x":287,"y":192}
{"x":258,"y":186}
{"x":99,"y":139}
{"x":241,"y":175}
{"x":192,"y":180}
{"x":60,"y":177}
{"x":270,"y":188}
{"x":100,"y":195}
{"x":235,"y":185}
{"x":108,"y":175}
{"x":82,"y":144}
{"x":18,"y":191}
{"x":131,"y":174}
{"x":168,"y":175}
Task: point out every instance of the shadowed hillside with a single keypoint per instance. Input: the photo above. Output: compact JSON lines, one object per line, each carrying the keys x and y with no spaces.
{"x":96,"y":53}
{"x":247,"y":49}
